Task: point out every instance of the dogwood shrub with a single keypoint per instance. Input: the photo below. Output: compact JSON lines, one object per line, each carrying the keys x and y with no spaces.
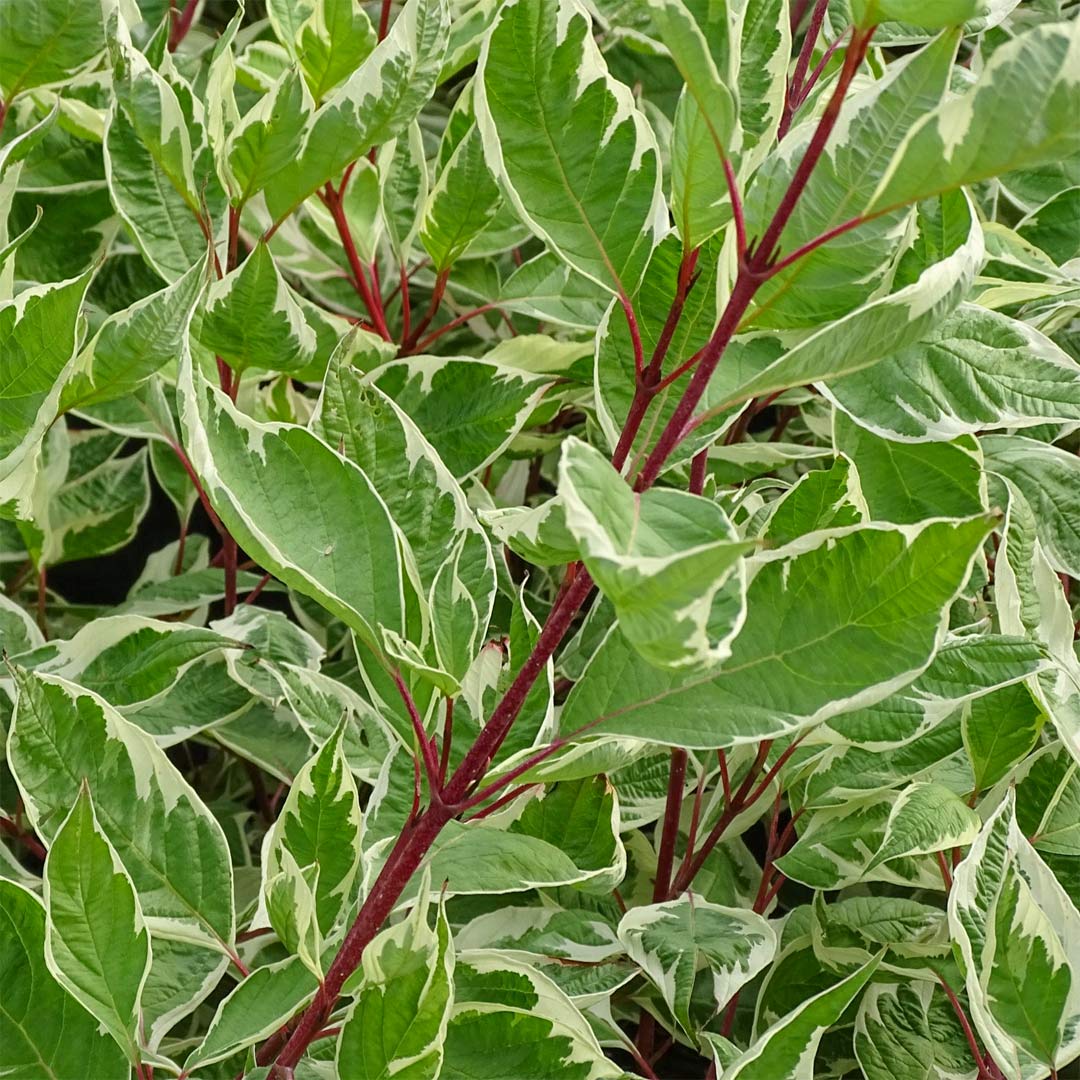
{"x":539,"y":539}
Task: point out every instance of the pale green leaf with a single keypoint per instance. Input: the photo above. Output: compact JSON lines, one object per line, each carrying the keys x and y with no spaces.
{"x":309,"y":516}
{"x":978,"y":370}
{"x":377,"y":102}
{"x":909,"y":482}
{"x":398,"y":1024}
{"x":672,"y":941}
{"x":252,"y":320}
{"x":876,"y":596}
{"x":96,"y":941}
{"x":567,"y":142}
{"x":786,"y":1051}
{"x":45,"y":1034}
{"x":1017,"y":931}
{"x":1029,"y":87}
{"x":669,"y":561}
{"x":319,"y":825}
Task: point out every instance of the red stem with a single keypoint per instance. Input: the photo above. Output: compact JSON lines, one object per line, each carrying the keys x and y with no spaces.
{"x":736,"y":207}
{"x":725,"y":777}
{"x":695,"y":813}
{"x":229,"y":549}
{"x":182,"y":24}
{"x":820,"y":66}
{"x":670,"y":833}
{"x":853,"y":57}
{"x":25,"y":837}
{"x":234,"y":236}
{"x":946,"y":875}
{"x":795,"y":96}
{"x":427,"y":747}
{"x":254,"y":594}
{"x":453,"y":324}
{"x":698,"y":471}
{"x":965,"y":1023}
{"x":332,"y":201}
{"x":635,"y":335}
{"x":649,"y":384}
{"x":500,"y":802}
{"x":384,"y":19}
{"x":812,"y":245}
{"x":495,"y":731}
{"x":754,"y":269}
{"x":406,"y":306}
{"x":447,"y":740}
{"x":798,"y":10}
{"x":692,"y":862}
{"x":436,"y":300}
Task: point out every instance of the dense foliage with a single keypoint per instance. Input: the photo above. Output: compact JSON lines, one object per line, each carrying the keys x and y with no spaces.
{"x":617,"y":611}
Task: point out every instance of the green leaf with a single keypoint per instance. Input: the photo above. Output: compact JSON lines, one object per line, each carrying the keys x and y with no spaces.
{"x":96,"y":941}
{"x":252,"y":320}
{"x":158,"y":165}
{"x":876,"y":596}
{"x":538,"y":534}
{"x":843,"y":845}
{"x":403,"y":179}
{"x":18,"y":631}
{"x":509,"y":1019}
{"x":319,"y":825}
{"x":56,"y":40}
{"x":669,"y":561}
{"x":1017,"y":931}
{"x":94,"y":512}
{"x":1047,"y":476}
{"x":1000,"y":730}
{"x":581,"y":819}
{"x":978,"y":370}
{"x":131,"y":345}
{"x":256,"y":1008}
{"x":45,"y":1034}
{"x":463,"y":201}
{"x":765,"y":50}
{"x":670,"y":942}
{"x":881,"y":326}
{"x":425,"y":502}
{"x":898,"y":1037}
{"x":268,"y":137}
{"x":398,"y":1024}
{"x":922,"y":13}
{"x":705,"y":124}
{"x":38,"y":336}
{"x":378,"y":101}
{"x":925,"y":818}
{"x":1028,"y":87}
{"x":821,"y":499}
{"x":580,"y":167}
{"x":786,"y":1051}
{"x":331,"y":44}
{"x":468,"y":409}
{"x":290,"y":906}
{"x":62,"y":735}
{"x":318,"y":526}
{"x":909,"y":482}
{"x":482,"y":858}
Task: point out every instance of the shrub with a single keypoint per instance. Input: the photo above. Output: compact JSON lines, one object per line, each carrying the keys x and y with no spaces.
{"x":606,"y":494}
